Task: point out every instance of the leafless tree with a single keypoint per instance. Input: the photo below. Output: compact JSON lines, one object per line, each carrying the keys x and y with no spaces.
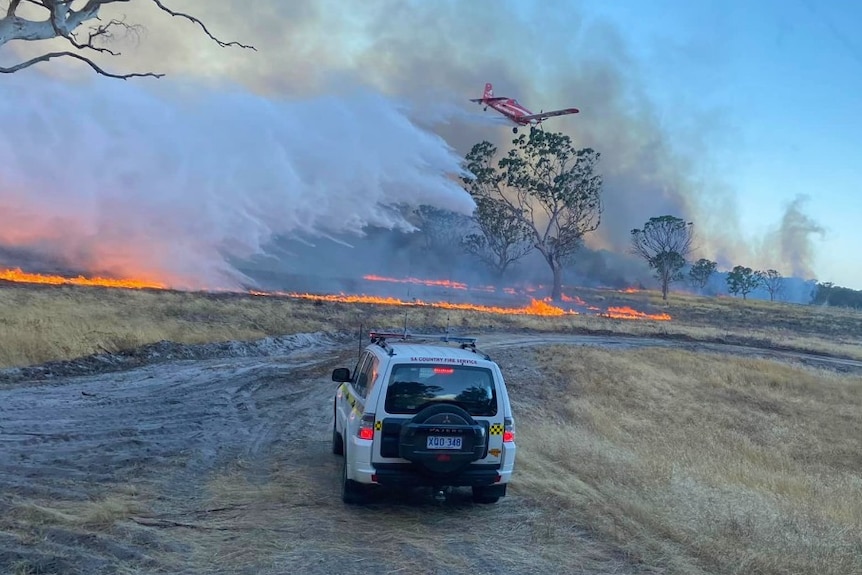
{"x":501,"y":239}
{"x":84,"y":30}
{"x":442,"y":230}
{"x":773,"y":281}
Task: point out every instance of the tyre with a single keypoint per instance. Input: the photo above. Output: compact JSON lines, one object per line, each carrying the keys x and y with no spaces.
{"x":448,"y":420}
{"x":337,"y":442}
{"x":487,"y":494}
{"x":352,"y":492}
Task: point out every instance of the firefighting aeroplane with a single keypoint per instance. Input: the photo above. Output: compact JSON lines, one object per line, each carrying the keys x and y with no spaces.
{"x":514,"y":111}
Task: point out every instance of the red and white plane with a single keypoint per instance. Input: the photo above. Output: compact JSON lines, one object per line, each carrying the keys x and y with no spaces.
{"x":514,"y":111}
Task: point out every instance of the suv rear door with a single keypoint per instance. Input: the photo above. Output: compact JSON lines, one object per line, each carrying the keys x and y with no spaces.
{"x":411,"y":387}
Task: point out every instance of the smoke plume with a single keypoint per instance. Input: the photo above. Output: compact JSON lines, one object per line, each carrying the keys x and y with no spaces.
{"x":172,"y":183}
{"x":790,"y":245}
{"x":231,"y":170}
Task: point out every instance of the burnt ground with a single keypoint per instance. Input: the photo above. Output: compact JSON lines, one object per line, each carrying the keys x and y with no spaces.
{"x":216,"y":459}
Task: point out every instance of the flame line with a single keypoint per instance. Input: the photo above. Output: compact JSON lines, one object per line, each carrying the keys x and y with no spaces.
{"x":536,"y":307}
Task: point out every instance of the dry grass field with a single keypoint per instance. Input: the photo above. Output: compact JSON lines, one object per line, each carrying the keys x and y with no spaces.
{"x":701,"y":463}
{"x":46,"y":323}
{"x":642,"y":460}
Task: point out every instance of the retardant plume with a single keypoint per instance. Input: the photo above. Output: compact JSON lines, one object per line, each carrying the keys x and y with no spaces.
{"x":438,"y":54}
{"x":175,"y":181}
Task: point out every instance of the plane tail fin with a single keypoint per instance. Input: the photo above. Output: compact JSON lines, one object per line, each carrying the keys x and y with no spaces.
{"x":489,"y":91}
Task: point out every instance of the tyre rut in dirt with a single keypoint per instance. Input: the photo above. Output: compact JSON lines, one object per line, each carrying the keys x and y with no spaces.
{"x":446,"y":420}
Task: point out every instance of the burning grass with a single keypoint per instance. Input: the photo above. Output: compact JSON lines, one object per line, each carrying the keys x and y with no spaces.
{"x":702,"y":463}
{"x":40,"y":323}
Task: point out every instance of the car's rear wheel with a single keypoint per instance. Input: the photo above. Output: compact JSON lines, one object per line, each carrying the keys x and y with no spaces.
{"x":488,"y":493}
{"x":352,"y":492}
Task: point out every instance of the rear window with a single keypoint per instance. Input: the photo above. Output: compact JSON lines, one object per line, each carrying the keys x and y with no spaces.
{"x":413,"y":387}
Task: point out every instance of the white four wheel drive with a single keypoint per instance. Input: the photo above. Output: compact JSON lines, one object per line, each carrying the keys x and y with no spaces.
{"x":430,"y":415}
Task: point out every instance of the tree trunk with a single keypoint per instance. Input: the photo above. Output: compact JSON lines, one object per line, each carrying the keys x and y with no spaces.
{"x":557,"y":291}
{"x":498,"y":277}
{"x":664,"y":290}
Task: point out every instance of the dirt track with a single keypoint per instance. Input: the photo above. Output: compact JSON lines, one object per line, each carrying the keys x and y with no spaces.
{"x":222,"y":465}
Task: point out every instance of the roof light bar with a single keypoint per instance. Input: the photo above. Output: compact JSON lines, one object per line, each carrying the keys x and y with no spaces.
{"x":407,"y":335}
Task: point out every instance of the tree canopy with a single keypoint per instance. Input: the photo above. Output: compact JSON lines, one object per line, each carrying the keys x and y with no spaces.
{"x":827,"y":293}
{"x":86,"y":33}
{"x":501,"y":239}
{"x":701,"y":271}
{"x":547,"y":186}
{"x":743,"y":280}
{"x":664,"y":242}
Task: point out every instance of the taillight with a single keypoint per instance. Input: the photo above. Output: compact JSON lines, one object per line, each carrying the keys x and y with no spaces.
{"x":366,"y":427}
{"x":508,"y":430}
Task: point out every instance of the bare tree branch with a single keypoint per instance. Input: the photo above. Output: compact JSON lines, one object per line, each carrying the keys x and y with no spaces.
{"x":90,"y":63}
{"x":13,"y":5}
{"x":62,"y":22}
{"x":201,"y":24}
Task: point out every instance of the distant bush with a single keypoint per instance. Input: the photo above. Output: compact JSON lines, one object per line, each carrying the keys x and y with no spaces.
{"x":828,"y":293}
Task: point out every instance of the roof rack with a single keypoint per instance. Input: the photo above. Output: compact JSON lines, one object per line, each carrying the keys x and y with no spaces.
{"x":382,"y":335}
{"x":379,"y":337}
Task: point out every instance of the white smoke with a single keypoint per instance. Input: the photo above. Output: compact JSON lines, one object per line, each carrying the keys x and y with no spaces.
{"x":172,"y":182}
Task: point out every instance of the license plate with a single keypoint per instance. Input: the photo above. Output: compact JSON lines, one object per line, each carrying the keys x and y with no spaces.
{"x":444,"y":442}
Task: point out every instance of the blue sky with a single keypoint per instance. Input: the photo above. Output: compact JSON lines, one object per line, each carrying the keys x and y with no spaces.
{"x":785,"y":77}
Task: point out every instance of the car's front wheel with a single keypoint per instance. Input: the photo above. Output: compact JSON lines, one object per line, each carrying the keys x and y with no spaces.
{"x":337,"y":440}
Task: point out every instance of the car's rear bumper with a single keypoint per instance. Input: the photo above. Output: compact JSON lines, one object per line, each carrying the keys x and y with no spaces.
{"x":407,"y":475}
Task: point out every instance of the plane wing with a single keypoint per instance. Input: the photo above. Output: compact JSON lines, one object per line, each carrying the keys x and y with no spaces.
{"x":544,"y":115}
{"x":494,"y":99}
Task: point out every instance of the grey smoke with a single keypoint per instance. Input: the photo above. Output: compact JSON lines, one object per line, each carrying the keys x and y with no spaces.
{"x":791,"y":244}
{"x":436,"y":55}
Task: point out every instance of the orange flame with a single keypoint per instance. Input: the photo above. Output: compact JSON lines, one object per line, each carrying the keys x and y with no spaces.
{"x":440,"y":283}
{"x":536,"y":307}
{"x":625,"y":312}
{"x":574,"y":299}
{"x":16,"y":275}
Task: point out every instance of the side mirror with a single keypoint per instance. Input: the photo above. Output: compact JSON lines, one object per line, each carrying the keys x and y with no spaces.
{"x":341,"y":374}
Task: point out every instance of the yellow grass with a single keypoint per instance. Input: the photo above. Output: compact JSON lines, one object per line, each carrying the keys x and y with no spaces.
{"x":99,"y":513}
{"x":700,"y":463}
{"x":45,"y":323}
